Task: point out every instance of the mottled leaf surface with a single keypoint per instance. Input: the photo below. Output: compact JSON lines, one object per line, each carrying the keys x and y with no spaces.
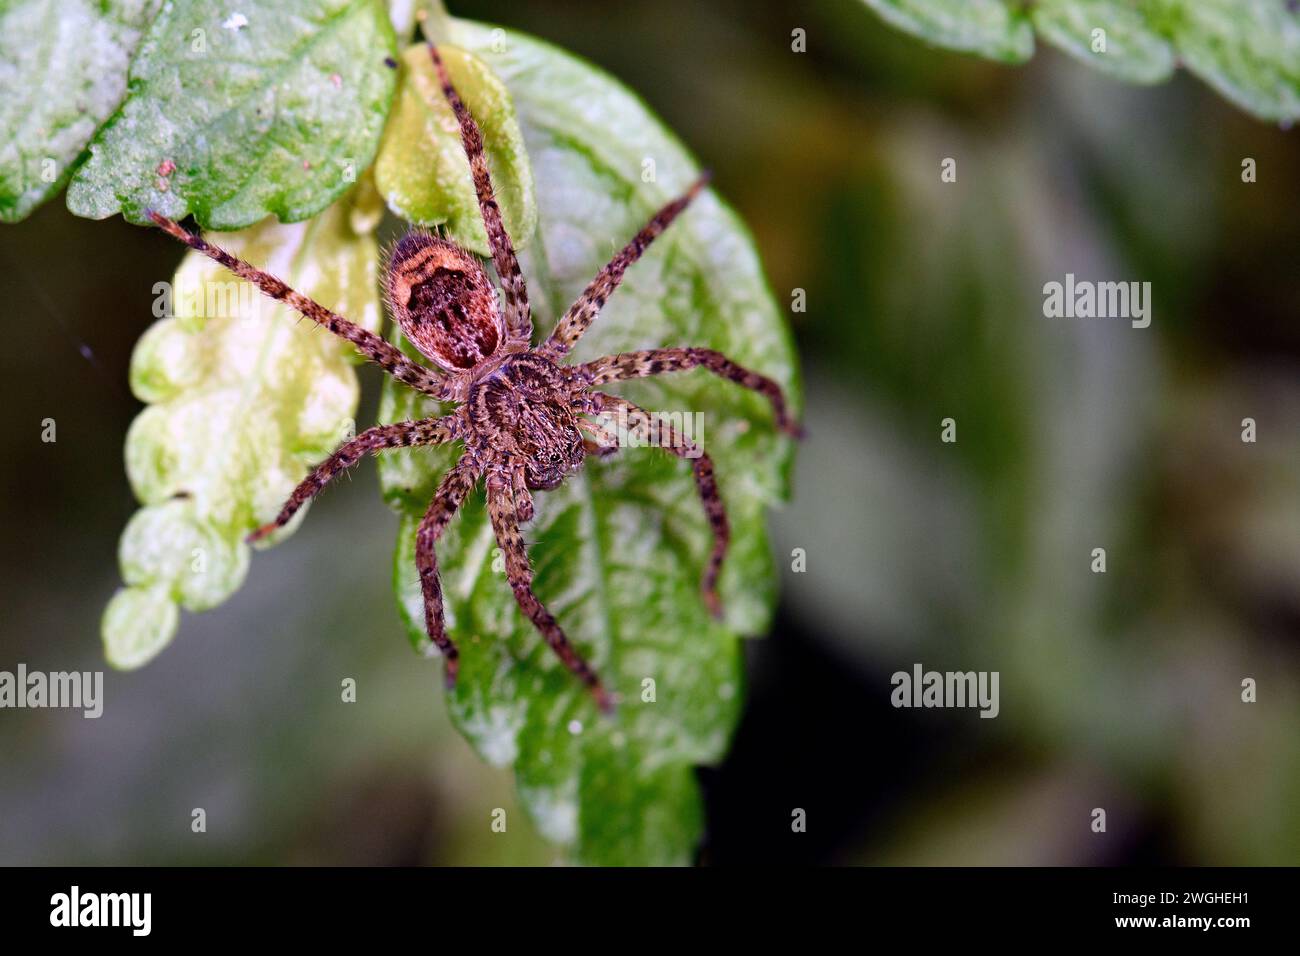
{"x":63,"y":70}
{"x":275,"y":107}
{"x":619,"y":548}
{"x":421,"y":168}
{"x":244,"y":396}
{"x":1248,"y":50}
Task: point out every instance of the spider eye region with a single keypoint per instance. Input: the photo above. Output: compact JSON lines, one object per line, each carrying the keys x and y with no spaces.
{"x":443,"y":301}
{"x":548,"y":437}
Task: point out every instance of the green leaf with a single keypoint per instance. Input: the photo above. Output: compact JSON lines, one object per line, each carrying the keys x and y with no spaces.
{"x":421,"y":169}
{"x":62,"y":72}
{"x":275,"y":107}
{"x":1134,"y":52}
{"x":990,"y":28}
{"x":244,"y":398}
{"x":619,"y":548}
{"x":1248,"y":50}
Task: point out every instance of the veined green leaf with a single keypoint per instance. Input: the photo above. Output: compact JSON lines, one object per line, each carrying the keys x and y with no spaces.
{"x":63,"y":70}
{"x":244,"y":397}
{"x":619,"y":548}
{"x":421,"y":168}
{"x":235,"y":114}
{"x":1248,"y":50}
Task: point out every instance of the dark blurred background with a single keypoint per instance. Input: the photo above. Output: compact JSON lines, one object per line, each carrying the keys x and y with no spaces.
{"x":1119,"y":690}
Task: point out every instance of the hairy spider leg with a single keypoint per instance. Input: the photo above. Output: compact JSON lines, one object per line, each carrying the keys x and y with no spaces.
{"x":519,"y":319}
{"x":455,"y":485}
{"x":618,"y":368}
{"x":429,"y":431}
{"x":519,"y":571}
{"x":373,"y":347}
{"x":583,"y":312}
{"x":523,"y":497}
{"x":600,"y":441}
{"x":658,"y":430}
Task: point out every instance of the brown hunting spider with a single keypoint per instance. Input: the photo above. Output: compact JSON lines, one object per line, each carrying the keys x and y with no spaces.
{"x":521,"y":413}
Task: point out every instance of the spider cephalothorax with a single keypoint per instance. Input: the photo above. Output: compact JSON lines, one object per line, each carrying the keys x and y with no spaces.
{"x":524,"y":412}
{"x":525,"y":418}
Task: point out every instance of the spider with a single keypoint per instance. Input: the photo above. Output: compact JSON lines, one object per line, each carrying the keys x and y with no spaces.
{"x":524,"y":417}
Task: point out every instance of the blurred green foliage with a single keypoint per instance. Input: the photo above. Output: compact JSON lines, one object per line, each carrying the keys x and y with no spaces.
{"x":1248,"y":50}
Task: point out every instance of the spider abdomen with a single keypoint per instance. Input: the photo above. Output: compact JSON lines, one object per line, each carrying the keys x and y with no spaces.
{"x":444,"y":302}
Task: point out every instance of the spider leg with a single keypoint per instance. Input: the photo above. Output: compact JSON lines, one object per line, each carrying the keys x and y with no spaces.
{"x":583,"y":312}
{"x":430,"y":431}
{"x":659,"y":431}
{"x":523,"y":497}
{"x":386,"y":356}
{"x":519,"y":320}
{"x":455,"y":485}
{"x":602,"y":441}
{"x":617,"y":368}
{"x":501,"y":507}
